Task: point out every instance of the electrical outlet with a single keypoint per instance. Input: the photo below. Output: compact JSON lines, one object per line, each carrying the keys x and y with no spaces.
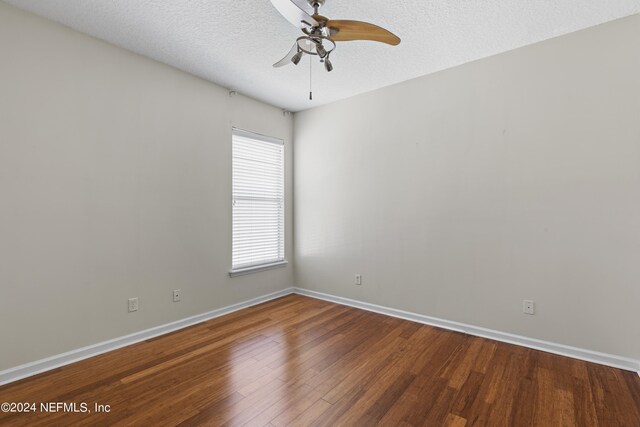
{"x":358,"y":280}
{"x":177,"y":295}
{"x":133,"y":304}
{"x":528,"y":307}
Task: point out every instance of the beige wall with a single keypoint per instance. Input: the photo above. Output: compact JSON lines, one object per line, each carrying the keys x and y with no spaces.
{"x":459,"y":194}
{"x":115,"y":182}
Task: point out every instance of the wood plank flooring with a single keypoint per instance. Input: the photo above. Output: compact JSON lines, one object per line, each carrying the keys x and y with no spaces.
{"x":300,"y":361}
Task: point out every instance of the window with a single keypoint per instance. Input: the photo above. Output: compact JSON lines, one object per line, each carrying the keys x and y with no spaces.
{"x":258,"y":202}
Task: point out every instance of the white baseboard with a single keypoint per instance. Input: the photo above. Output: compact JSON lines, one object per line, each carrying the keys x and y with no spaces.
{"x":53,"y":362}
{"x":563,"y":350}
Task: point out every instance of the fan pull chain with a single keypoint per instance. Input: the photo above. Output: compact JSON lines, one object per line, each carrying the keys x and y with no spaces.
{"x":310,"y":79}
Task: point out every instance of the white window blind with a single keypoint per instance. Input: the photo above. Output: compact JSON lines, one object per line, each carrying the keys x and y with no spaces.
{"x":258,"y":200}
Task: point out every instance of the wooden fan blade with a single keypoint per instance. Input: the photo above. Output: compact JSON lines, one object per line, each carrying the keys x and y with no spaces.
{"x":287,"y":59}
{"x":345,"y":30}
{"x":294,"y":14}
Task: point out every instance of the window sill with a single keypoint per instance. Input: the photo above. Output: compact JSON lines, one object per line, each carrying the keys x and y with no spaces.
{"x":257,"y":268}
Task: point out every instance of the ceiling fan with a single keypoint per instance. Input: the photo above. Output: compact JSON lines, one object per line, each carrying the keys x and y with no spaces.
{"x":321,"y":33}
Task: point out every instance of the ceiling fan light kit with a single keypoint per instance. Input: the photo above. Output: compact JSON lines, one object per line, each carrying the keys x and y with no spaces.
{"x":296,"y":58}
{"x":328,"y":65}
{"x":321,"y":33}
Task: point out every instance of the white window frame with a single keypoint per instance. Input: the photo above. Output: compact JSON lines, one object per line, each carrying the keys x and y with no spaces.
{"x":281,"y":261}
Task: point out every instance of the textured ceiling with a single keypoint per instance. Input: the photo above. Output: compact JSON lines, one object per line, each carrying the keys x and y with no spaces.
{"x":235,"y":42}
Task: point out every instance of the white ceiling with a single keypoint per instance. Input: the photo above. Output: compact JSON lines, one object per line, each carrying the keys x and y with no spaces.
{"x":235,"y":42}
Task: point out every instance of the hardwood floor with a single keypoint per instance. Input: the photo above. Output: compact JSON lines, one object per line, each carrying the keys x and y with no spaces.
{"x":300,"y":361}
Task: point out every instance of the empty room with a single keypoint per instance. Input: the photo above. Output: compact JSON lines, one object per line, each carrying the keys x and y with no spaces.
{"x":320,"y":213}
